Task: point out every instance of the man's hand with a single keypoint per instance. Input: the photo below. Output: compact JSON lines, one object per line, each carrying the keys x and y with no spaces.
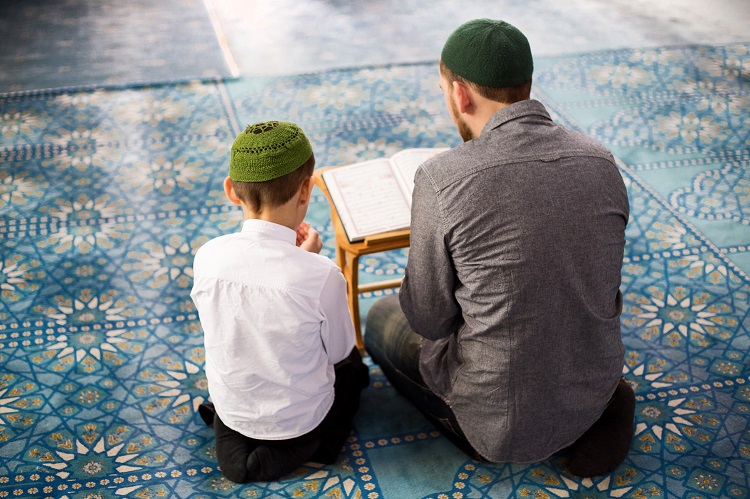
{"x":308,"y":238}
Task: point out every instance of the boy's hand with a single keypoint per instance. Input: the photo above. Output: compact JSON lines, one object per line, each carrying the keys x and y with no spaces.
{"x":302,"y":231}
{"x":308,"y":238}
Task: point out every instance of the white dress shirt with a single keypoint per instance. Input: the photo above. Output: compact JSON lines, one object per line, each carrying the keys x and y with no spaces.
{"x":275,"y":321}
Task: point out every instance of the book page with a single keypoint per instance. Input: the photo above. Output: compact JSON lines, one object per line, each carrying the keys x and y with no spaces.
{"x":368,"y":198}
{"x":406,"y":163}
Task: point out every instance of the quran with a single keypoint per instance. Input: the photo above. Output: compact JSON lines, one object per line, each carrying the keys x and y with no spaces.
{"x":374,"y":196}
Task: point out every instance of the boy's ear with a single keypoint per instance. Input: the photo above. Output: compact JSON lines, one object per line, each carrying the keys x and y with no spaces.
{"x":229,"y":191}
{"x":305,"y":190}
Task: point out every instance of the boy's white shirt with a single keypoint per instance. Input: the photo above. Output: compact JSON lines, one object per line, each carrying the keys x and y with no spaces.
{"x":275,"y":321}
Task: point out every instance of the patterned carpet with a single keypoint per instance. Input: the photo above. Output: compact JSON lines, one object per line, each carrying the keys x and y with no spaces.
{"x":105,"y":196}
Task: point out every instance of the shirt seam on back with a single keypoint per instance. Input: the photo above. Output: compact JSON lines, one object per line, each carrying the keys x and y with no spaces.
{"x":524,"y":159}
{"x":262,"y":285}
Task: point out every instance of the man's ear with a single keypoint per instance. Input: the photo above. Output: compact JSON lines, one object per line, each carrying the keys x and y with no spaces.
{"x":305,"y":190}
{"x":463,"y":97}
{"x":229,"y":191}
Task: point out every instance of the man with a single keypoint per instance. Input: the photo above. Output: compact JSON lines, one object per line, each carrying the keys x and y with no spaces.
{"x":507,"y":336}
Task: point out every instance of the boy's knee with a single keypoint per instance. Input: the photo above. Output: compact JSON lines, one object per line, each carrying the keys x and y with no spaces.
{"x":232,"y":450}
{"x":268,"y":463}
{"x":234,"y":468}
{"x":351,"y":373}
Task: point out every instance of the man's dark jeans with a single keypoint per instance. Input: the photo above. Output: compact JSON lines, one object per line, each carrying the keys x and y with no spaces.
{"x":395,"y":347}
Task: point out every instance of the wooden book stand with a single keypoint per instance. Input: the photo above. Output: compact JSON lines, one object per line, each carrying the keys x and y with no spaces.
{"x":348,"y":253}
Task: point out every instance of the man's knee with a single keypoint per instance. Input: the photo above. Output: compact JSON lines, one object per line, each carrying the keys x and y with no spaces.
{"x":386,"y":323}
{"x":382,"y":311}
{"x":376,"y":324}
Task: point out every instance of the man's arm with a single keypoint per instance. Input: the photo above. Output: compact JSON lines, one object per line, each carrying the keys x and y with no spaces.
{"x":426,"y":295}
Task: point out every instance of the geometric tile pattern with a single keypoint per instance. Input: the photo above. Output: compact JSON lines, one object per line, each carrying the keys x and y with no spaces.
{"x":106,"y":195}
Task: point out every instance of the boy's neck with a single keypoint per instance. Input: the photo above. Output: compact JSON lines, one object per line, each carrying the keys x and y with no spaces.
{"x":282,"y":215}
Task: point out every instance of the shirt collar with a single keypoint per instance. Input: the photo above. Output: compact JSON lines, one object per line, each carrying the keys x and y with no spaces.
{"x":516,"y":110}
{"x":273,"y":230}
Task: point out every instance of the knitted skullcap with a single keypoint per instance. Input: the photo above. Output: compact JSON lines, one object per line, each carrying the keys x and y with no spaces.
{"x":490,"y":53}
{"x":265,"y":151}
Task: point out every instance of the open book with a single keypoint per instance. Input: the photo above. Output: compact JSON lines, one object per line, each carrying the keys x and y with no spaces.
{"x":374,"y":196}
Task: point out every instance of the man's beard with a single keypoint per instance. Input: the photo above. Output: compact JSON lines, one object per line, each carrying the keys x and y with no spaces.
{"x":463,"y":129}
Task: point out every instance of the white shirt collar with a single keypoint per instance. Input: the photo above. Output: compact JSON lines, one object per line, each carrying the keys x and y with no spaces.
{"x":271,"y":229}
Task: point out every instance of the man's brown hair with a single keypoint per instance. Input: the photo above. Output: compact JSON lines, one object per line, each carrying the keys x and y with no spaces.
{"x":275,"y":192}
{"x":506,"y":95}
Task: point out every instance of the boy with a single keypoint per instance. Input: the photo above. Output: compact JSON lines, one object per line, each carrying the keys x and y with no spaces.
{"x":281,"y":365}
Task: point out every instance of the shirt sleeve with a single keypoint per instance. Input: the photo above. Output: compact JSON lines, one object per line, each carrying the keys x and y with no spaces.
{"x":427,"y":293}
{"x":337,"y":330}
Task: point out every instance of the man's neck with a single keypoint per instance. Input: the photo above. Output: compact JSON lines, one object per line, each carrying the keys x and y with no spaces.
{"x":485,"y":109}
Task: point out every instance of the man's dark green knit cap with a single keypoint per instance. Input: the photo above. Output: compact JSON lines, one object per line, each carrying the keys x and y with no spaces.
{"x":490,"y":53}
{"x":268,"y":150}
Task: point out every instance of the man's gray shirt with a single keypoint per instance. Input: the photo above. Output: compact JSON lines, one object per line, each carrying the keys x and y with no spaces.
{"x":513,"y":278}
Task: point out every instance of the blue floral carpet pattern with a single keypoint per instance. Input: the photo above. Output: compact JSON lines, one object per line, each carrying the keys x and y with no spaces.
{"x":106,"y":195}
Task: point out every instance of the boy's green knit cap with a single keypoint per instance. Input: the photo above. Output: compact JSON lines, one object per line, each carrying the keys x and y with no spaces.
{"x":490,"y":53}
{"x":268,"y":150}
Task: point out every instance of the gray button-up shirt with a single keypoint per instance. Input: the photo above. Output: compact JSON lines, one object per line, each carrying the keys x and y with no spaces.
{"x":513,"y":278}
